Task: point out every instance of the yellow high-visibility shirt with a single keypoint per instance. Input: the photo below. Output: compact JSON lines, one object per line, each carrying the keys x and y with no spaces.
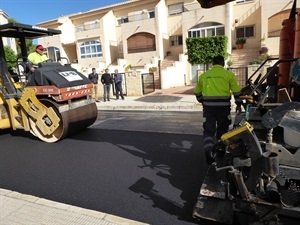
{"x":36,"y":58}
{"x":216,"y":86}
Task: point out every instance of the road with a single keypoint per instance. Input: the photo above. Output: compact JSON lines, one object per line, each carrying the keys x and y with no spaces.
{"x":178,"y":122}
{"x":128,"y":164}
{"x":145,"y":166}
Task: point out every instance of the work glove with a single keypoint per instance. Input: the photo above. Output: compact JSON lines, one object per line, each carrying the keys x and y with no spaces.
{"x":199,"y":98}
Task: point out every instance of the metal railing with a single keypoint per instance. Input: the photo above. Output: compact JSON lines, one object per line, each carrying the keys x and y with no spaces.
{"x":241,"y":75}
{"x":146,"y":48}
{"x":84,"y":27}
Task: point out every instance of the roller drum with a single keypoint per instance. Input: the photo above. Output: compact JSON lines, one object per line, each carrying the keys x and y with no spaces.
{"x":71,"y":121}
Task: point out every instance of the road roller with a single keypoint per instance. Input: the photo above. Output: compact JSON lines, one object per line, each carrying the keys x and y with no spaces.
{"x":53,"y":101}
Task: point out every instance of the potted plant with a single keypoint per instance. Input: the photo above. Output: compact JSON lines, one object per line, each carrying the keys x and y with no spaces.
{"x":128,"y":68}
{"x":240,"y":42}
{"x":152,"y":70}
{"x":229,"y":63}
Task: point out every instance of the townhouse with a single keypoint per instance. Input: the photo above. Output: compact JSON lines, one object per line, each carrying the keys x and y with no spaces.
{"x":149,"y":35}
{"x":11,"y":42}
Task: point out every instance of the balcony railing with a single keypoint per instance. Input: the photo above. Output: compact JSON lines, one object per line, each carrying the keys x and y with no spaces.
{"x":141,"y":16}
{"x":84,"y":27}
{"x":147,"y":48}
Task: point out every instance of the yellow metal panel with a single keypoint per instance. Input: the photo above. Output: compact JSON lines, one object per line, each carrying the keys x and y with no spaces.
{"x":45,"y":118}
{"x":237,"y":131}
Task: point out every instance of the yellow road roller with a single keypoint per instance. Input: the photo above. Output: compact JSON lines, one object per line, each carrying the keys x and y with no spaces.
{"x":51,"y":102}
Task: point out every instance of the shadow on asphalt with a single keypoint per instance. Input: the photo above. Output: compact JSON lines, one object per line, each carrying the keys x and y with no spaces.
{"x":174,"y":157}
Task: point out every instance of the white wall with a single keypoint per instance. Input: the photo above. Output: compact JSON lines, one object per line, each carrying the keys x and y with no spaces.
{"x":68,"y":28}
{"x":174,"y":76}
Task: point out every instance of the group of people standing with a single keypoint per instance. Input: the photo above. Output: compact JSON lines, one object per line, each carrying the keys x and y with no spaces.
{"x":107,"y":80}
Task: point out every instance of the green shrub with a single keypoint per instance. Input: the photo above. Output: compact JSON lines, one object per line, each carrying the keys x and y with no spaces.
{"x":203,"y":50}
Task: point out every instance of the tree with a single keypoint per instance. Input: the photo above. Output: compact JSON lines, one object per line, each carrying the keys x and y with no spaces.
{"x":29,"y":46}
{"x":11,"y":57}
{"x":203,"y":50}
{"x":12,"y":20}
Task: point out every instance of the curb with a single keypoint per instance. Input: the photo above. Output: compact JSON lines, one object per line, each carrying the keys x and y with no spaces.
{"x":158,"y":108}
{"x":167,"y":107}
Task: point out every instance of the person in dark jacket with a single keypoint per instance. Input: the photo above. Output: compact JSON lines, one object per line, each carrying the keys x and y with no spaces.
{"x":94,"y":79}
{"x":106,"y":80}
{"x":118,"y":79}
{"x":214,"y":90}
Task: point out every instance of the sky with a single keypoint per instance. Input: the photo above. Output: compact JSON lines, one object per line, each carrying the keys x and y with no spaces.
{"x":36,"y":11}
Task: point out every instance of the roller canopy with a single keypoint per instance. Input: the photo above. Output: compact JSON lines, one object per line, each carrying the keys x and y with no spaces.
{"x":212,"y":3}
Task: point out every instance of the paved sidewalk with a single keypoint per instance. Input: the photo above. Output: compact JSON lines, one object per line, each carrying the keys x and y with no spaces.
{"x":179,"y":98}
{"x":20,"y":209}
{"x":172,"y":99}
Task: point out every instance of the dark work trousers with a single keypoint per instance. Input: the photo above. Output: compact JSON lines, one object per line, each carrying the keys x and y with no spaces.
{"x":216,"y":121}
{"x":106,"y":94}
{"x":119,"y":90}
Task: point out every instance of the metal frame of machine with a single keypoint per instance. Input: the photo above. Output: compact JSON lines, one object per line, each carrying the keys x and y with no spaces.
{"x":256,"y":175}
{"x":255,"y":178}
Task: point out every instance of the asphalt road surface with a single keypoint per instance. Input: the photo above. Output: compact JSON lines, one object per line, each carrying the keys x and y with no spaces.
{"x":145,"y":166}
{"x":129,"y":164}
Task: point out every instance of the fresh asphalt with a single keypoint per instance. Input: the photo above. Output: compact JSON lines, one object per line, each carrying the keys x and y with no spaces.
{"x":151,"y":177}
{"x":89,"y":171}
{"x":146,"y":176}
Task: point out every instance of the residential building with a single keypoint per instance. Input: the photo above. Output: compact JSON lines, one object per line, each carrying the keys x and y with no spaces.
{"x":142,"y":34}
{"x":7,"y":41}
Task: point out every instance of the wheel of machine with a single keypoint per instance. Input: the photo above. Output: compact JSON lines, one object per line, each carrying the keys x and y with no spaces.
{"x":71,"y":121}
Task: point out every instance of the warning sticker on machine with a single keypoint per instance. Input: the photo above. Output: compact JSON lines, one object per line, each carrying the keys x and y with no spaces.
{"x":70,"y":75}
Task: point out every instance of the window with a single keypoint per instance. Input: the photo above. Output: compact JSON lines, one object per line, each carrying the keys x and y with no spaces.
{"x":207,"y":29}
{"x":151,"y":13}
{"x":122,"y":20}
{"x":91,"y":49}
{"x":245,"y":32}
{"x":175,"y":9}
{"x":141,"y":42}
{"x":53,"y":53}
{"x":176,"y":40}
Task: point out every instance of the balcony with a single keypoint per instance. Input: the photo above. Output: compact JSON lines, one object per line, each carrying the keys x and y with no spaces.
{"x":86,"y":27}
{"x":86,"y":31}
{"x":136,"y":16}
{"x":146,"y":48}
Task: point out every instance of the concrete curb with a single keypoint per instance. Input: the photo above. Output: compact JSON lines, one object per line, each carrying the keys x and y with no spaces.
{"x":157,"y":107}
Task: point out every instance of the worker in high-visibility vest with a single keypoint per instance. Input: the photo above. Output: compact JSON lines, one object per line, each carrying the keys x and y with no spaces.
{"x":37,"y":57}
{"x":214,"y":90}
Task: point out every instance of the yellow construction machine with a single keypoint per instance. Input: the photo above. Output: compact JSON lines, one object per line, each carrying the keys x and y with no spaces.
{"x":52,"y":102}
